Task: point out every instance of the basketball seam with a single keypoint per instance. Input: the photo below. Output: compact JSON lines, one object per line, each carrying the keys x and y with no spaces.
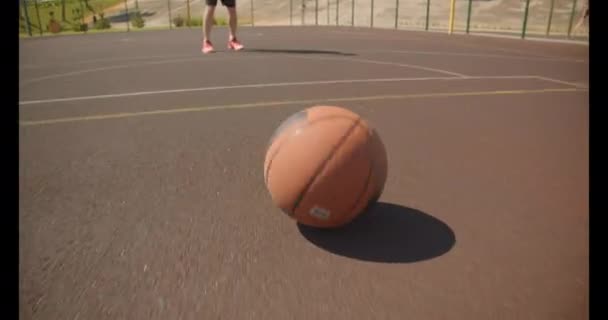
{"x":321,"y":168}
{"x":309,"y":124}
{"x":365,"y":187}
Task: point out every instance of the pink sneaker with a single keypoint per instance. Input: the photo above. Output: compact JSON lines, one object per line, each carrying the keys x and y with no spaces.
{"x":207,"y":47}
{"x":234,"y":44}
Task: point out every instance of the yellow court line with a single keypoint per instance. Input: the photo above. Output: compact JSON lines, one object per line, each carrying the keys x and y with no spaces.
{"x":290,"y":102}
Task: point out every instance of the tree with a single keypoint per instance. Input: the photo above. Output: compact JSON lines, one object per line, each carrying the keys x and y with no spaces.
{"x":86,"y":3}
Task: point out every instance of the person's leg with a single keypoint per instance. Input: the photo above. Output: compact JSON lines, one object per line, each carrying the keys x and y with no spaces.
{"x":232,"y":21}
{"x":209,"y":18}
{"x":208,"y":24}
{"x":233,"y":43}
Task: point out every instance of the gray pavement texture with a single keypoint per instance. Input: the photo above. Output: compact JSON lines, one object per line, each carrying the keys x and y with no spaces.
{"x":142,"y":194}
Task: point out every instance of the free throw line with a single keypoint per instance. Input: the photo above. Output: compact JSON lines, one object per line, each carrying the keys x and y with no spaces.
{"x":289,"y":102}
{"x":261,"y":85}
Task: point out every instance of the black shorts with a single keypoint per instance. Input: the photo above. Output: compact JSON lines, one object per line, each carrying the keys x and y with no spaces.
{"x":226,"y":3}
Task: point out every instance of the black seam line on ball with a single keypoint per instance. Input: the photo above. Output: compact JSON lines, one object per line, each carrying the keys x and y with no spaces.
{"x":309,"y":124}
{"x":368,"y":179}
{"x":320,"y":169}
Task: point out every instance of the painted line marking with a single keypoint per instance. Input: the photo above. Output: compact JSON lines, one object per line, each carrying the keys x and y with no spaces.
{"x":454,"y":42}
{"x":578,"y":85}
{"x":413,"y":52}
{"x":124,"y":66}
{"x":200,"y":59}
{"x":389,"y":63}
{"x":260,"y":85}
{"x":475,"y":55}
{"x":168,"y":56}
{"x":289,"y":102}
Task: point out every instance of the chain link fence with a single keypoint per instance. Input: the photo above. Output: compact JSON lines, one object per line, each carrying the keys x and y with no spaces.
{"x":525,"y":18}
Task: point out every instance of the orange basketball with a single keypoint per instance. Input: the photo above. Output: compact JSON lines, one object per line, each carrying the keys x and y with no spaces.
{"x":324,"y":165}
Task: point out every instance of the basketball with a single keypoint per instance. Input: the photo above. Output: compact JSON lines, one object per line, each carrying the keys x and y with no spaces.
{"x":324,"y":166}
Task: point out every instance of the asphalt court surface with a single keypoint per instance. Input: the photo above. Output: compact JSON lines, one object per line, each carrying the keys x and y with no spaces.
{"x":142,"y":195}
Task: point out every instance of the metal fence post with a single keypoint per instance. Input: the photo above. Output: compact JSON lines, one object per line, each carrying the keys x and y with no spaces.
{"x":327,"y":12}
{"x":170,"y":18}
{"x":550,"y":18}
{"x":251,"y":13}
{"x":523,"y":31}
{"x":396,"y":14}
{"x":316,"y":12}
{"x":188,"y":16}
{"x":571,"y":18}
{"x":82,"y":13}
{"x":302,"y":12}
{"x":337,"y":12}
{"x":452,"y":14}
{"x":63,"y":19}
{"x":352,"y":13}
{"x":128,"y":18}
{"x":428,"y":7}
{"x":371,"y":22}
{"x":290,"y":12}
{"x":28,"y":27}
{"x":38,"y":16}
{"x":469,"y":16}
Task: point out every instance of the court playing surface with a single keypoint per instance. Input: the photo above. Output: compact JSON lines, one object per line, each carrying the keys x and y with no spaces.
{"x":142,"y":192}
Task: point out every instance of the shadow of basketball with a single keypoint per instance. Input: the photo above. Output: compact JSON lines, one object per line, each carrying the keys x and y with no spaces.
{"x":386,"y":233}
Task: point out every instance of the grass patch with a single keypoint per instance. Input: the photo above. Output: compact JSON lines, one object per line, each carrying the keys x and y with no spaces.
{"x":137,"y":19}
{"x":24,"y":35}
{"x":41,"y":14}
{"x":180,"y":21}
{"x":195,"y":22}
{"x":221,"y":22}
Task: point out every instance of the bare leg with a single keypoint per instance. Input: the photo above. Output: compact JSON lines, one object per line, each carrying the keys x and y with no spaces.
{"x":209,"y":18}
{"x":232,"y":21}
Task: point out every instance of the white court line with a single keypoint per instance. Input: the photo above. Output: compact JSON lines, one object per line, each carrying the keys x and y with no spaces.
{"x":447,"y":53}
{"x":261,"y":85}
{"x":389,"y":63}
{"x":578,"y":85}
{"x":200,"y":59}
{"x":573,"y":84}
{"x":288,"y":102}
{"x":123,"y":66}
{"x":531,"y":37}
{"x":479,"y":55}
{"x":167,"y":56}
{"x":458,"y":44}
{"x":360,"y":60}
{"x":460,"y":75}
